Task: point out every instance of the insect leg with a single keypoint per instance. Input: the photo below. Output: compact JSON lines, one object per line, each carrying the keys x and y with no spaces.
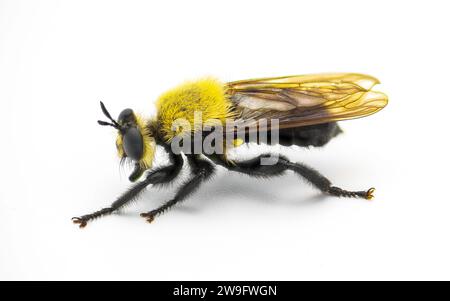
{"x":202,"y":170}
{"x":322,"y":183}
{"x":254,"y":168}
{"x":158,"y":176}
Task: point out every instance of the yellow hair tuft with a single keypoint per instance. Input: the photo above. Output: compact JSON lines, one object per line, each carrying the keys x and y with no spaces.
{"x":206,"y":95}
{"x":149,"y":144}
{"x":119,"y":146}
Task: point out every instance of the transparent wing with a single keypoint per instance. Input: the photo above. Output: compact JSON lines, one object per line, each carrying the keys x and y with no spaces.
{"x":305,"y":99}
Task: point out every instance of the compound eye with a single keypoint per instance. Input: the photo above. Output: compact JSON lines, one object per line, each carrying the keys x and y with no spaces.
{"x":126,"y":116}
{"x":133,"y":144}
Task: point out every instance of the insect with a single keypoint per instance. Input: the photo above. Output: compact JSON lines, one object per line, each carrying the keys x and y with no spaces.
{"x":306,"y":107}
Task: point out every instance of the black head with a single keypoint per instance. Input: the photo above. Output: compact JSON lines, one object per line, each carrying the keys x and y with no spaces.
{"x":127,"y":117}
{"x":132,"y":140}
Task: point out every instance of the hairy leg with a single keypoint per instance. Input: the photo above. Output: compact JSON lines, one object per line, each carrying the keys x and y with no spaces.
{"x":201,"y":169}
{"x":254,"y":168}
{"x":157,"y":176}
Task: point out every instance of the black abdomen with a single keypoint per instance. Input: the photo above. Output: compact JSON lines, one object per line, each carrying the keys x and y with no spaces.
{"x":312,"y":135}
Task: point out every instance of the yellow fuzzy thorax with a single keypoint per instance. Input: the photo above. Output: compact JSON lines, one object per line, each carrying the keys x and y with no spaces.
{"x":205,"y":95}
{"x":149,"y":144}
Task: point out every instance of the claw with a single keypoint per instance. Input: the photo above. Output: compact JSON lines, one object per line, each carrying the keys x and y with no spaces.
{"x":369,"y":194}
{"x":150,"y":217}
{"x":79,"y":220}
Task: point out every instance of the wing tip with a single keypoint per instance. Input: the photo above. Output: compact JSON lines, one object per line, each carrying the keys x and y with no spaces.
{"x":381,"y":98}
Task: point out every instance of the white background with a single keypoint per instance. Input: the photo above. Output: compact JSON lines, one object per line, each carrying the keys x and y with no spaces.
{"x":59,"y":58}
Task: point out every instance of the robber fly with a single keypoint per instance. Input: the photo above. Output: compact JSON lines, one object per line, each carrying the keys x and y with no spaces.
{"x":306,"y":108}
